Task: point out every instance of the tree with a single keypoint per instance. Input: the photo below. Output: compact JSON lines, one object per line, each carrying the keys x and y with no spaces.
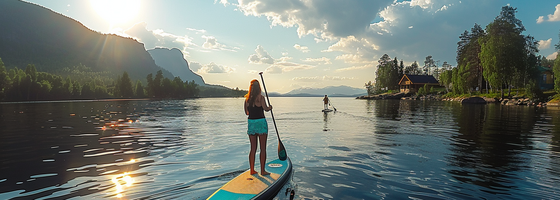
{"x":4,"y":79}
{"x":32,"y":71}
{"x":401,"y":69}
{"x":503,"y":50}
{"x":556,"y":71}
{"x":139,"y":91}
{"x":556,"y":68}
{"x":387,"y":73}
{"x":159,"y":91}
{"x":428,"y":64}
{"x":125,"y":87}
{"x":445,"y":78}
{"x":370,"y":87}
{"x":557,"y":46}
{"x":150,"y":87}
{"x":468,"y":59}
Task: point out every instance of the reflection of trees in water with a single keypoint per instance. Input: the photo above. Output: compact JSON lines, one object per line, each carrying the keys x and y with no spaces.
{"x":387,"y":109}
{"x":490,"y":141}
{"x":555,"y":146}
{"x":51,"y":143}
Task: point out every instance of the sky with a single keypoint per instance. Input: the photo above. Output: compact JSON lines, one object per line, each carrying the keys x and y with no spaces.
{"x":304,"y":43}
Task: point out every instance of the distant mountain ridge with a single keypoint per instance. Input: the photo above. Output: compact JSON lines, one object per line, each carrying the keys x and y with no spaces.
{"x":333,"y":91}
{"x":173,"y":61}
{"x":32,"y":34}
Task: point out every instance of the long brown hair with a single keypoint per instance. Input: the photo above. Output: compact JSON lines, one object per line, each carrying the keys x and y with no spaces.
{"x":254,"y":91}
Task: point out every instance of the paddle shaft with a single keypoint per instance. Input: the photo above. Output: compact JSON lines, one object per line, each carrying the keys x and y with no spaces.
{"x":331,"y":104}
{"x":281,"y":146}
{"x":268,"y":100}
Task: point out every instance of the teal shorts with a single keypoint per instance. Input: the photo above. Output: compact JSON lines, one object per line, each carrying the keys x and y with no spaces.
{"x":257,"y":126}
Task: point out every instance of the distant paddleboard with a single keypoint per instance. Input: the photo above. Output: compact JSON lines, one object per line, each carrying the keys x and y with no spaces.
{"x":327,"y":110}
{"x":247,"y":186}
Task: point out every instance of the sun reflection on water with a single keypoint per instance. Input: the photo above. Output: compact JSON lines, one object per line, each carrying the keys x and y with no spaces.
{"x":121,"y":182}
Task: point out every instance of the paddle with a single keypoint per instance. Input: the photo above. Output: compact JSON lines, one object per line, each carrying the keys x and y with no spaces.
{"x":282,"y":155}
{"x":332,"y":105}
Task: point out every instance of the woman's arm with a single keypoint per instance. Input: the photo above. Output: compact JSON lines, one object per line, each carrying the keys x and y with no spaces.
{"x":245,"y":107}
{"x":263,"y":104}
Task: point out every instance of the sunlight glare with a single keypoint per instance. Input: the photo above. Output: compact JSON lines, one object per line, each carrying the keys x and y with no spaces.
{"x":116,"y":11}
{"x":118,"y":181}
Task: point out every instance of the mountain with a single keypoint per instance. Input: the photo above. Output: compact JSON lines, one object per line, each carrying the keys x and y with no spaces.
{"x":330,"y":91}
{"x":32,"y":34}
{"x":173,"y":61}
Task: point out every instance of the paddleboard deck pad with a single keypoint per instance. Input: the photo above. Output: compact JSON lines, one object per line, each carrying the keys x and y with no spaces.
{"x":256,"y":186}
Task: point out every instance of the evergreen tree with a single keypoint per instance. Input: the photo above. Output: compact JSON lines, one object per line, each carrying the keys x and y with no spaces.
{"x":401,"y":69}
{"x":150,"y":87}
{"x":139,"y":91}
{"x":126,"y":86}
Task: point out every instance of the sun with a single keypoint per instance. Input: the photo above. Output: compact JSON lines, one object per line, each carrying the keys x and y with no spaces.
{"x":116,"y":11}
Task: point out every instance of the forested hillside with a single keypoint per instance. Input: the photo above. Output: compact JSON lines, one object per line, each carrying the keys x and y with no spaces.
{"x":54,"y":43}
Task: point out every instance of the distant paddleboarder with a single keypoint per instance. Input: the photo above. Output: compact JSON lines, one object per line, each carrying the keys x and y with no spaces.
{"x":257,"y":127}
{"x":326,"y":103}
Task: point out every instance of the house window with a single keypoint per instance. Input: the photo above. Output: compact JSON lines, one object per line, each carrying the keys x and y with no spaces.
{"x":544,"y":78}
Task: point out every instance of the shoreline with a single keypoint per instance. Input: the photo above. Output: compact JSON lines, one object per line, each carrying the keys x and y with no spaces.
{"x":511,"y":101}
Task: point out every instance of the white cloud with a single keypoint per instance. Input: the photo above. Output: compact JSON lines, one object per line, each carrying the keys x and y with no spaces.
{"x":211,"y":43}
{"x":551,"y":17}
{"x":142,"y":34}
{"x":159,"y":38}
{"x":356,"y":67}
{"x":545,"y":44}
{"x":214,"y":68}
{"x":282,"y":67}
{"x":261,"y":56}
{"x":322,"y":60}
{"x":303,"y":49}
{"x":252,"y":71}
{"x":195,"y":66}
{"x":409,"y":29}
{"x":540,"y":19}
{"x":316,"y":16}
{"x":444,"y":7}
{"x":552,"y":56}
{"x":197,"y":31}
{"x":355,"y":50}
{"x":421,"y":3}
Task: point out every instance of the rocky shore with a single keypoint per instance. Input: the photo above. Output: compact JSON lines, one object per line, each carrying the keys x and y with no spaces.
{"x":518,"y":101}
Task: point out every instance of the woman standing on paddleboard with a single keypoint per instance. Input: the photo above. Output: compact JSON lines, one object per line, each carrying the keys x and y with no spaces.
{"x":257,"y":128}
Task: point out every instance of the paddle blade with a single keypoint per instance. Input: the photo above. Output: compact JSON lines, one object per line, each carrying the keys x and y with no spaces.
{"x":282,"y":155}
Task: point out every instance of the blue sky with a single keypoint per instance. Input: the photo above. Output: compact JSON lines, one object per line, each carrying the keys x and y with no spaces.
{"x":304,"y":43}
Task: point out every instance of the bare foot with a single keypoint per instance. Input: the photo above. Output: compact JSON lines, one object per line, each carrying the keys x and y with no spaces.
{"x":264,"y":173}
{"x":253,"y":172}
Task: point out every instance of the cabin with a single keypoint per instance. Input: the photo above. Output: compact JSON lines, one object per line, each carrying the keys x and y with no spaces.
{"x":546,"y":80}
{"x":411,"y":83}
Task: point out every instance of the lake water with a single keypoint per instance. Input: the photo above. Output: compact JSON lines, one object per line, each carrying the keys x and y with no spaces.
{"x":368,"y":149}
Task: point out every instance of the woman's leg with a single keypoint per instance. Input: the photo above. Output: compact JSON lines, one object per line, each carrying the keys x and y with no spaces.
{"x":252,"y":152}
{"x":262,"y":142}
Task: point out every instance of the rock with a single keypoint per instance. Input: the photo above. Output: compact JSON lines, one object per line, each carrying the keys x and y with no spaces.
{"x":490,"y":100}
{"x":473,"y":100}
{"x":504,"y":101}
{"x":553,"y":103}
